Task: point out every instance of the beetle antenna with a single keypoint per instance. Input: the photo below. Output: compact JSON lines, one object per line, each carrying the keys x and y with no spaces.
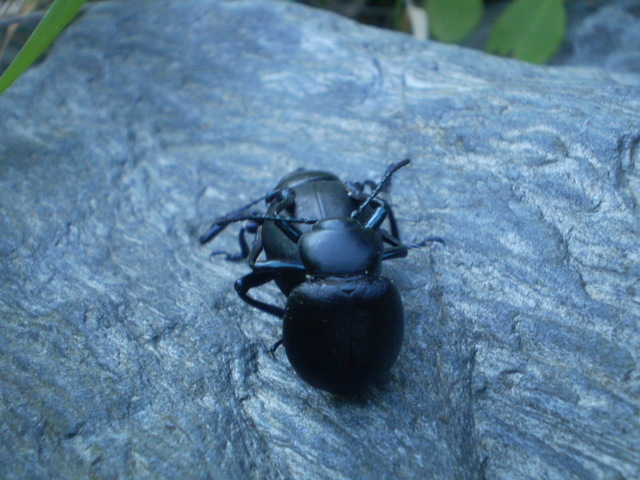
{"x":220,"y":224}
{"x":424,"y":242}
{"x":385,"y":179}
{"x":280,"y":219}
{"x":242,"y":215}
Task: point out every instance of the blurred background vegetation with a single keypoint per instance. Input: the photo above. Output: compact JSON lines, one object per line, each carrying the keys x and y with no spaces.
{"x":529,"y":30}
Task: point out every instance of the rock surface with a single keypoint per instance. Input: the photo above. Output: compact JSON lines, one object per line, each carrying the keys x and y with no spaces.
{"x":124,"y":350}
{"x":605,"y":35}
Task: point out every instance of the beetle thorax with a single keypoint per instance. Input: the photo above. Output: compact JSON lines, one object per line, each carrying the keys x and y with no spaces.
{"x":341,"y":247}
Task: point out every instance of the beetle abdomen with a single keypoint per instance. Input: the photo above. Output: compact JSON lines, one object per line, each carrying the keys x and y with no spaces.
{"x":343,"y":335}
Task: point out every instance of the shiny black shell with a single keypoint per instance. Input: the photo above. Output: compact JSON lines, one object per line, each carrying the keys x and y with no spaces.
{"x":318,"y":194}
{"x":342,"y":335}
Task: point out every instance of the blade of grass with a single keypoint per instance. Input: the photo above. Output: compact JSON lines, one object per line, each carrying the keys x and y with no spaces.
{"x":58,"y":16}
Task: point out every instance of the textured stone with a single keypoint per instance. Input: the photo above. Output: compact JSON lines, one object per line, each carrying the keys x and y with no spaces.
{"x":124,"y":350}
{"x":605,"y":36}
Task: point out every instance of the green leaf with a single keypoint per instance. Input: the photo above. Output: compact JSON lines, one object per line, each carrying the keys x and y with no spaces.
{"x":59,"y":15}
{"x":530,"y":30}
{"x":453,"y":20}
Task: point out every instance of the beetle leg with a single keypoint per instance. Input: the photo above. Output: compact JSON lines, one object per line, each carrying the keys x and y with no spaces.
{"x":400,"y":250}
{"x":221,"y":223}
{"x":391,"y":217}
{"x":256,"y":249}
{"x":395,"y":241}
{"x":424,"y":242}
{"x":278,"y":266}
{"x":274,"y":347}
{"x":395,"y":252}
{"x":264,"y":272}
{"x":369,"y":183}
{"x":292,"y":232}
{"x":252,"y":280}
{"x":284,"y":199}
{"x":390,"y":239}
{"x":381,"y":184}
{"x":356,"y":192}
{"x":253,"y":228}
{"x":393,"y":225}
{"x":379,"y":216}
{"x":382,"y":213}
{"x":244,"y":246}
{"x":356,"y":189}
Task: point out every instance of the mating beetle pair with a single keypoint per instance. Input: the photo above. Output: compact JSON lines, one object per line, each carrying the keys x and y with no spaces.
{"x":343,"y":323}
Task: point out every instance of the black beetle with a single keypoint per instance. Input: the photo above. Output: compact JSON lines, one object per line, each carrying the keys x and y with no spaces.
{"x":343,"y":323}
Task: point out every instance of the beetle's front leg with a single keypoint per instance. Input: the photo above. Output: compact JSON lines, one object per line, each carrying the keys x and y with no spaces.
{"x":356,"y":191}
{"x":256,"y":279}
{"x":382,"y":204}
{"x":399,"y":249}
{"x":264,"y":272}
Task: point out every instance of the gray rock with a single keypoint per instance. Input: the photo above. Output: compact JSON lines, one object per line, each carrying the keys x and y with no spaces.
{"x":605,"y":36}
{"x":125,"y":352}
